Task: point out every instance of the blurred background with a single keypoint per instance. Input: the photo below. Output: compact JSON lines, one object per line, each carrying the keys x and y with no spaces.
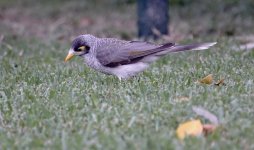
{"x":61,"y":20}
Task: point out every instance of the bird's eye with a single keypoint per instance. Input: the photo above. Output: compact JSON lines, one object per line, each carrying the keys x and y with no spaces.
{"x":81,"y":48}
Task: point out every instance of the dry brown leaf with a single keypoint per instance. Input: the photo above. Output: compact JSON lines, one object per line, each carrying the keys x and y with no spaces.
{"x":195,"y":127}
{"x":207,"y":80}
{"x":209,"y":128}
{"x":189,"y":128}
{"x":220,"y":82}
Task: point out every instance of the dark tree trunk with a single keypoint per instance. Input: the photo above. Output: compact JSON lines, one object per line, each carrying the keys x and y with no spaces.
{"x":152,"y":14}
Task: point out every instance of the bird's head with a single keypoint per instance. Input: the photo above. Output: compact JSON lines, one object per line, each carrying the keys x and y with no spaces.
{"x":81,"y":45}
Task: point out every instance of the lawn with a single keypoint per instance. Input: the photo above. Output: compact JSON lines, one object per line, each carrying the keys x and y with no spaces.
{"x":46,"y":103}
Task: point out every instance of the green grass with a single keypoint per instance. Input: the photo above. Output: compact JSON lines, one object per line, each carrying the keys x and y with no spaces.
{"x":48,"y":104}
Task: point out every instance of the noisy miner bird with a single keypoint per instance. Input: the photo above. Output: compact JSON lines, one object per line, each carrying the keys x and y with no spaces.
{"x":122,"y":58}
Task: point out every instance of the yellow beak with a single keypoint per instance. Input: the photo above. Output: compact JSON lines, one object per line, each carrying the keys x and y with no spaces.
{"x":68,"y":57}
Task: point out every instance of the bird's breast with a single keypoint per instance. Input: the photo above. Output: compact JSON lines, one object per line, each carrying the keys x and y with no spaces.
{"x":93,"y":63}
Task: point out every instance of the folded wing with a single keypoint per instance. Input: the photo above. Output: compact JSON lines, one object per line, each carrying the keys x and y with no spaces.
{"x":120,"y":53}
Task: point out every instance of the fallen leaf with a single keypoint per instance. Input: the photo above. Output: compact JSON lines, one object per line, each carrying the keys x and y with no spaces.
{"x":207,"y":80}
{"x":206,"y":114}
{"x":195,"y":127}
{"x":209,"y":128}
{"x":190,"y":128}
{"x":220,"y":82}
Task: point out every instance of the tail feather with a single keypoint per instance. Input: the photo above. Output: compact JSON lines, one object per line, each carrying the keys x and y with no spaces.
{"x":202,"y":46}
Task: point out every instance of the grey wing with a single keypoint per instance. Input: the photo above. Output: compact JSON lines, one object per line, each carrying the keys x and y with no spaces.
{"x":119,"y":53}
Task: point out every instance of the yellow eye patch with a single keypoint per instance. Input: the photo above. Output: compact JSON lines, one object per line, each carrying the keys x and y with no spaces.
{"x":81,"y":48}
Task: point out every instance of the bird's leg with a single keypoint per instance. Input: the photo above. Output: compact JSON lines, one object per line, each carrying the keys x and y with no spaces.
{"x":138,"y":79}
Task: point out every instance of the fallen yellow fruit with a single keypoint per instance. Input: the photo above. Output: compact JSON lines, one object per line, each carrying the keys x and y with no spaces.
{"x":193,"y":128}
{"x":207,"y":80}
